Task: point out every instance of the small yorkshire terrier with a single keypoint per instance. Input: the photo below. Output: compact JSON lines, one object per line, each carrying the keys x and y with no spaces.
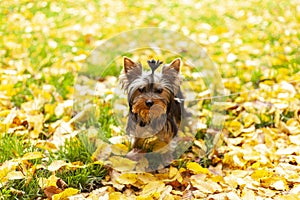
{"x":155,"y":103}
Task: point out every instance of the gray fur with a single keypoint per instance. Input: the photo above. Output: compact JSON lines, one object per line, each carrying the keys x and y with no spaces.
{"x":133,"y":78}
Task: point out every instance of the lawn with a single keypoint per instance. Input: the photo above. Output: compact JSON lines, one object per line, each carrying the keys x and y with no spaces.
{"x":63,"y":117}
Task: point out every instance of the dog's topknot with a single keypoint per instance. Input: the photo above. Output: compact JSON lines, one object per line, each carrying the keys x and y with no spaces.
{"x":154,"y":64}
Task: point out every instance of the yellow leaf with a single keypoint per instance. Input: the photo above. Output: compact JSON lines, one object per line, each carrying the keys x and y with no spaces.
{"x":115,"y":195}
{"x":277,"y":183}
{"x":127,"y":178}
{"x":122,"y":164}
{"x":207,"y":186}
{"x":32,"y":156}
{"x":65,"y":194}
{"x":47,"y":182}
{"x":102,"y":152}
{"x":234,"y":159}
{"x":249,"y":119}
{"x":217,"y":179}
{"x":4,"y":113}
{"x":56,"y":165}
{"x":153,"y":188}
{"x":173,"y":171}
{"x":197,"y":168}
{"x":49,"y":108}
{"x":146,"y":178}
{"x":295,"y":139}
{"x":231,"y":180}
{"x":293,"y":126}
{"x":235,"y":128}
{"x":14,"y":175}
{"x":261,"y":173}
{"x":46,"y":145}
{"x":119,"y":149}
{"x":248,"y":194}
{"x":37,"y":122}
{"x":255,"y":165}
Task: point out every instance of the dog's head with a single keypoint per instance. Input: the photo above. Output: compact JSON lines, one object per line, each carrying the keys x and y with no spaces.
{"x":150,"y":93}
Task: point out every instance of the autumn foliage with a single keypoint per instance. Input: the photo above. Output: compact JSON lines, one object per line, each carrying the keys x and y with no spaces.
{"x":44,"y":154}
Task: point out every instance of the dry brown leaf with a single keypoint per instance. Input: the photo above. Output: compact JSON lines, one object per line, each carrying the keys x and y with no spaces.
{"x":51,"y":190}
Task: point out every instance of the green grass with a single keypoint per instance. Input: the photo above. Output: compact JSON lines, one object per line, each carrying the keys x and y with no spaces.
{"x":255,"y":77}
{"x":74,"y":150}
{"x":267,"y":120}
{"x":62,"y":83}
{"x":13,"y":146}
{"x":21,"y":97}
{"x":106,"y":119}
{"x":27,"y":188}
{"x":84,"y":179}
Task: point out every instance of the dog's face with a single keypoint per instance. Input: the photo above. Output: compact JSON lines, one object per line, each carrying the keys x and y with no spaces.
{"x":150,"y":94}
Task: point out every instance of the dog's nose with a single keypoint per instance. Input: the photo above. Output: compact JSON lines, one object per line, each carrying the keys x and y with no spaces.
{"x":149,"y":103}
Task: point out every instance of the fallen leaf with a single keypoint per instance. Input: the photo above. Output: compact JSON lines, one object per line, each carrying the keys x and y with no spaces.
{"x":65,"y":194}
{"x":119,"y":149}
{"x":205,"y":186}
{"x":122,"y":164}
{"x":235,"y":128}
{"x":153,"y":188}
{"x":51,"y":190}
{"x":127,"y":178}
{"x":56,"y":165}
{"x":47,"y":182}
{"x":15,"y":175}
{"x":261,"y":173}
{"x":196,"y":168}
{"x":32,"y":156}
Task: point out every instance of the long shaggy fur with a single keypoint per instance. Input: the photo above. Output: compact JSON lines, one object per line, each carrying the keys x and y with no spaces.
{"x":154,"y":112}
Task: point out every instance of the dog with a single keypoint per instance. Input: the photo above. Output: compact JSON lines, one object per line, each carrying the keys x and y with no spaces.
{"x":155,"y":103}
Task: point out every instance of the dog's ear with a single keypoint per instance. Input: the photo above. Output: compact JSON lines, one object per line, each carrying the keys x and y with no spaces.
{"x":175,"y":65}
{"x":130,"y":65}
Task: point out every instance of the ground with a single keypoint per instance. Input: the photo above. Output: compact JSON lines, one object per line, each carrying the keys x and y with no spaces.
{"x":46,"y":44}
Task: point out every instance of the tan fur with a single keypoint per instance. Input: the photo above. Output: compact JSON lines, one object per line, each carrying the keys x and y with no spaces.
{"x":154,"y":126}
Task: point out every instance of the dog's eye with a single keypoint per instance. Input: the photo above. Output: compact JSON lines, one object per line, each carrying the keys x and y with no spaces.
{"x":158,"y":90}
{"x":142,"y":89}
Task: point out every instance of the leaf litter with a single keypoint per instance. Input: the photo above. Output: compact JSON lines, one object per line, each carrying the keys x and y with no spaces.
{"x":256,"y":52}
